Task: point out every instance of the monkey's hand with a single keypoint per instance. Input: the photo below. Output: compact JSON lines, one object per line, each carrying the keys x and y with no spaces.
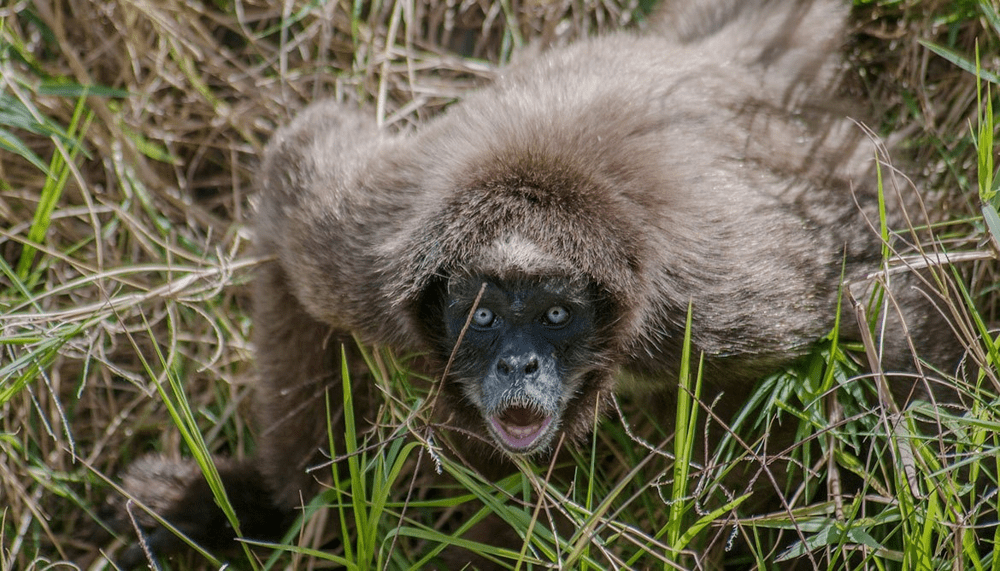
{"x":178,"y":493}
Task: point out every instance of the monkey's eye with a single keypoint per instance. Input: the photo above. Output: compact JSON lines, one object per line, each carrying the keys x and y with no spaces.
{"x":556,"y":315}
{"x":483,"y":317}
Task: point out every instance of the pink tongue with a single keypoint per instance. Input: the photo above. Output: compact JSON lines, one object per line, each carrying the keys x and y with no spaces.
{"x":520,"y":426}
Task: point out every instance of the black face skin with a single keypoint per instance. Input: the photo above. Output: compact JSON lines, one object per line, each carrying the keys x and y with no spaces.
{"x":521,"y":358}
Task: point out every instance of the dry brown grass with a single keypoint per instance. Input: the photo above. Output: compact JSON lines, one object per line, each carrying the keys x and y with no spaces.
{"x":148,"y":241}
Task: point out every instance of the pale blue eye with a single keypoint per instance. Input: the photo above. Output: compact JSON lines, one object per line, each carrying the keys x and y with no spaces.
{"x":483,"y":317}
{"x":556,"y":315}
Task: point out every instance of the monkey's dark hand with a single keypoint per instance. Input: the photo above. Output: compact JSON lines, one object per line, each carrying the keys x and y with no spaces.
{"x":179,"y":493}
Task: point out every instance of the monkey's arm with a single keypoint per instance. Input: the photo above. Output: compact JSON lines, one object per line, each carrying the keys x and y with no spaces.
{"x":334,"y":192}
{"x":298,"y":369}
{"x":325,"y":215}
{"x":316,"y":222}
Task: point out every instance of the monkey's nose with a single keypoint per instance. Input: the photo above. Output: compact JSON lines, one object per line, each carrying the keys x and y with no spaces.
{"x":526,"y":364}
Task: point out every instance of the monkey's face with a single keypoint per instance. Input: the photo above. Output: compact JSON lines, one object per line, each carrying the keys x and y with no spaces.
{"x":522,"y":355}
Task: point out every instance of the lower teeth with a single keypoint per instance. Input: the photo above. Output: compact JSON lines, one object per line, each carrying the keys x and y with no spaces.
{"x":522,"y":431}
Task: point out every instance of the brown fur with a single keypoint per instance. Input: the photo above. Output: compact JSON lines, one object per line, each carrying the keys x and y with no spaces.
{"x":706,"y":164}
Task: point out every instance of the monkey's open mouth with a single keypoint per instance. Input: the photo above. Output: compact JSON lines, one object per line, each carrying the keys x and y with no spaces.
{"x":520,"y":428}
